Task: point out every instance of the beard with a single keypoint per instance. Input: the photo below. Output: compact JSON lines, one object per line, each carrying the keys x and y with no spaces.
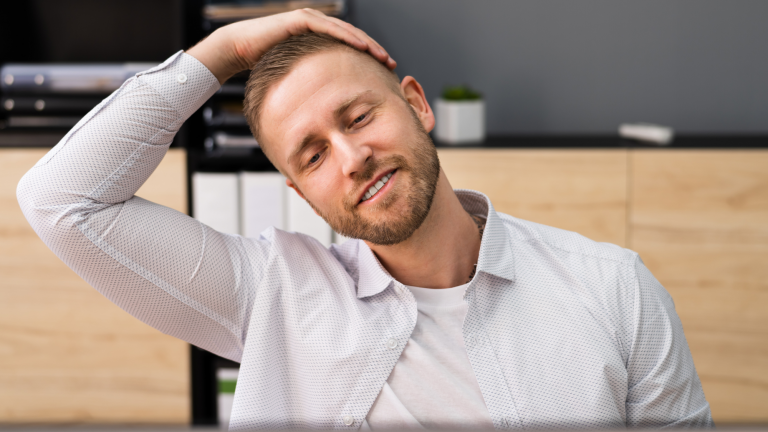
{"x":390,"y":225}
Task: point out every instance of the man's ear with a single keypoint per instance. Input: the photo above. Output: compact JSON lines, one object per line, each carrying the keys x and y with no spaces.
{"x":290,"y":184}
{"x":414,"y":94}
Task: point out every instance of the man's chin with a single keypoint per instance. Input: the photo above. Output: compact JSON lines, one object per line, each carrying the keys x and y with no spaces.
{"x":395,"y":226}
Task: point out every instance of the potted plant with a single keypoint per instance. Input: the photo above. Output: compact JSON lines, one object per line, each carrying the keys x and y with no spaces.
{"x":460,"y":116}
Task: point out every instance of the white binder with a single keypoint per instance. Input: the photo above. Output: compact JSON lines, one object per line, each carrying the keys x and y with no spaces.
{"x":302,"y":218}
{"x":262,"y":202}
{"x":215,"y":201}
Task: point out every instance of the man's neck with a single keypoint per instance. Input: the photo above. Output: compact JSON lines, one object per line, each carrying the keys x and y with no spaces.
{"x":442,"y":252}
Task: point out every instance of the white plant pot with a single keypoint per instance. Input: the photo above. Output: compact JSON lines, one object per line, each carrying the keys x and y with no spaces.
{"x":459,"y":122}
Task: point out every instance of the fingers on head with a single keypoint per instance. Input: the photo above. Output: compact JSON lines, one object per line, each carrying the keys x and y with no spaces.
{"x":319,"y":22}
{"x":362,"y":35}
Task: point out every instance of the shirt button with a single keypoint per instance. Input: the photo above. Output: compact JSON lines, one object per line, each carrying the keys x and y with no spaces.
{"x":392,"y":343}
{"x":348,"y":420}
{"x":181,"y":78}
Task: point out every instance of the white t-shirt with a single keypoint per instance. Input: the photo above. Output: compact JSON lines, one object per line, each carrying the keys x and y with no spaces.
{"x":432,"y":385}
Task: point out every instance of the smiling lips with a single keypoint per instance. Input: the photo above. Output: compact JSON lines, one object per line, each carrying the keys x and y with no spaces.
{"x":378,"y":185}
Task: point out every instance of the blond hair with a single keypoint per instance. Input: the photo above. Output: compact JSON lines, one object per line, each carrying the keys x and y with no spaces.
{"x":279,"y":61}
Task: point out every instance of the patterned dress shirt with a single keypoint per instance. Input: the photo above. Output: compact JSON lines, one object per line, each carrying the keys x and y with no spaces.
{"x":561,"y":331}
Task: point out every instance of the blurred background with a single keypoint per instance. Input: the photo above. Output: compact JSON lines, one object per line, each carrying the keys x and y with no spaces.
{"x":557,"y":78}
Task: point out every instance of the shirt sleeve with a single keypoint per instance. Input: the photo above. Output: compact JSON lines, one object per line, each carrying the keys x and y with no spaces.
{"x":664,"y":388}
{"x":162,"y":266}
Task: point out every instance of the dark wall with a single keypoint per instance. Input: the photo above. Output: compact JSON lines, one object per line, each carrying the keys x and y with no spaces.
{"x":77,"y":31}
{"x":564,"y":66}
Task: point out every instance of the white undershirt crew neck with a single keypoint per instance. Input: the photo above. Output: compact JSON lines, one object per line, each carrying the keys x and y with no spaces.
{"x":432,"y":384}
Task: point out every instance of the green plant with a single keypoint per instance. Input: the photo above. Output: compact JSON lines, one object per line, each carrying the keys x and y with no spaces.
{"x":460,"y":93}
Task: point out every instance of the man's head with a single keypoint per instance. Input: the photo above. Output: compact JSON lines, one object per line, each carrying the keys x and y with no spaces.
{"x":336,"y":123}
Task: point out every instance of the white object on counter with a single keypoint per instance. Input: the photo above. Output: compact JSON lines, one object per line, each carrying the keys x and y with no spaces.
{"x":647,"y":132}
{"x":225,"y":377}
{"x":460,"y":122}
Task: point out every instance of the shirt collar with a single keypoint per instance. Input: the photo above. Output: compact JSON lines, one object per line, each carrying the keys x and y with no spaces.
{"x":374,"y":278}
{"x":496,"y":255}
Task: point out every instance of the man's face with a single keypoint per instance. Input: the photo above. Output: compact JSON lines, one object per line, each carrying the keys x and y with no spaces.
{"x":340,"y":132}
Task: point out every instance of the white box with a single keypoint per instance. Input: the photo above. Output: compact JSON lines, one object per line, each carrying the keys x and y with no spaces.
{"x":459,"y":122}
{"x":302,"y":218}
{"x":265,"y":200}
{"x":262,"y":202}
{"x":215,"y":201}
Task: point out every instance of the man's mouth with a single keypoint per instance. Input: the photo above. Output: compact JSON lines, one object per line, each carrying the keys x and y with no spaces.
{"x":377,"y":186}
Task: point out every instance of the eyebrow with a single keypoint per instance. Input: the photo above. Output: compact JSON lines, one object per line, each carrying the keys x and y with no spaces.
{"x":345,"y":106}
{"x":300,"y":149}
{"x":307,"y":140}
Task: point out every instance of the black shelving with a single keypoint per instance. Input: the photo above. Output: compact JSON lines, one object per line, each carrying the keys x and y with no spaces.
{"x":221,"y":114}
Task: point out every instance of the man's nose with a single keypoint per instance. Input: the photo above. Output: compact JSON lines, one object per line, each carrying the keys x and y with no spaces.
{"x":353,"y":154}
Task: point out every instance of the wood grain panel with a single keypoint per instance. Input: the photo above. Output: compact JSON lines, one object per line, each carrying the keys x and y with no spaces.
{"x":699,"y":220}
{"x":577,"y":190}
{"x":67,"y":354}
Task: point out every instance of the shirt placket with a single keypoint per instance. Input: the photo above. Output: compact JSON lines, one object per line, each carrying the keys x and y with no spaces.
{"x":482,"y":356}
{"x":387,"y":349}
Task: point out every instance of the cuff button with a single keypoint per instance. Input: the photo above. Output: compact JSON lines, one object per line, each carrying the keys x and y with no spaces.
{"x":181,"y":78}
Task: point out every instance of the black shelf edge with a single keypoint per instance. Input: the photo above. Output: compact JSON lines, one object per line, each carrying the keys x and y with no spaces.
{"x":48,"y":138}
{"x":725,"y":142}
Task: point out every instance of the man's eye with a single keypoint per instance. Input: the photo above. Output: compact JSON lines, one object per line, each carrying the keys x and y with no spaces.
{"x":361,"y":118}
{"x":315,"y":158}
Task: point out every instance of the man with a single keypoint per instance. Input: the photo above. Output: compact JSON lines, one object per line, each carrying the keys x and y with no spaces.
{"x":442,"y":313}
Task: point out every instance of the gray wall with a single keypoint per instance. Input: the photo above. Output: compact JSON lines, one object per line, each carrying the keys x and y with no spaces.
{"x":585,"y":66}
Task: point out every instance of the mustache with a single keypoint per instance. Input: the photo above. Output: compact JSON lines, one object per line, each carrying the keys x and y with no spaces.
{"x":366,"y":175}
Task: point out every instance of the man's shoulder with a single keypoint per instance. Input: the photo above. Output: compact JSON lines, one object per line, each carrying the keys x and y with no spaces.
{"x":565,"y":242}
{"x":569,"y":266}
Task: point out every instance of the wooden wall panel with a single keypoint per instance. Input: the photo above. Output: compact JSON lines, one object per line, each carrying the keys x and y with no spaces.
{"x":577,"y":190}
{"x":66,"y":353}
{"x":699,"y":220}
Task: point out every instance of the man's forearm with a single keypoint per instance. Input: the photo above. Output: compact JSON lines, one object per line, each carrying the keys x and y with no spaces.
{"x":238,"y":46}
{"x":214,"y":52}
{"x":136,"y":135}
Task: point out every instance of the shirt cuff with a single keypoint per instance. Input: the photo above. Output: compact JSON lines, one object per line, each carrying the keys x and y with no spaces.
{"x":183,"y":81}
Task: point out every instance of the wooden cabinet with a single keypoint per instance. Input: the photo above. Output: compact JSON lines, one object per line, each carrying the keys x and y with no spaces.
{"x":699,"y":220}
{"x":578,"y":190}
{"x":67,"y":354}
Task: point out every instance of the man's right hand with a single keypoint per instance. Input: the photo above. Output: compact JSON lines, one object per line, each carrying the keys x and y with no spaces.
{"x":240,"y":45}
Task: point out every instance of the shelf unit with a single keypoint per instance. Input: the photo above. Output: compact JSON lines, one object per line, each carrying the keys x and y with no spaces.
{"x":220,"y":117}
